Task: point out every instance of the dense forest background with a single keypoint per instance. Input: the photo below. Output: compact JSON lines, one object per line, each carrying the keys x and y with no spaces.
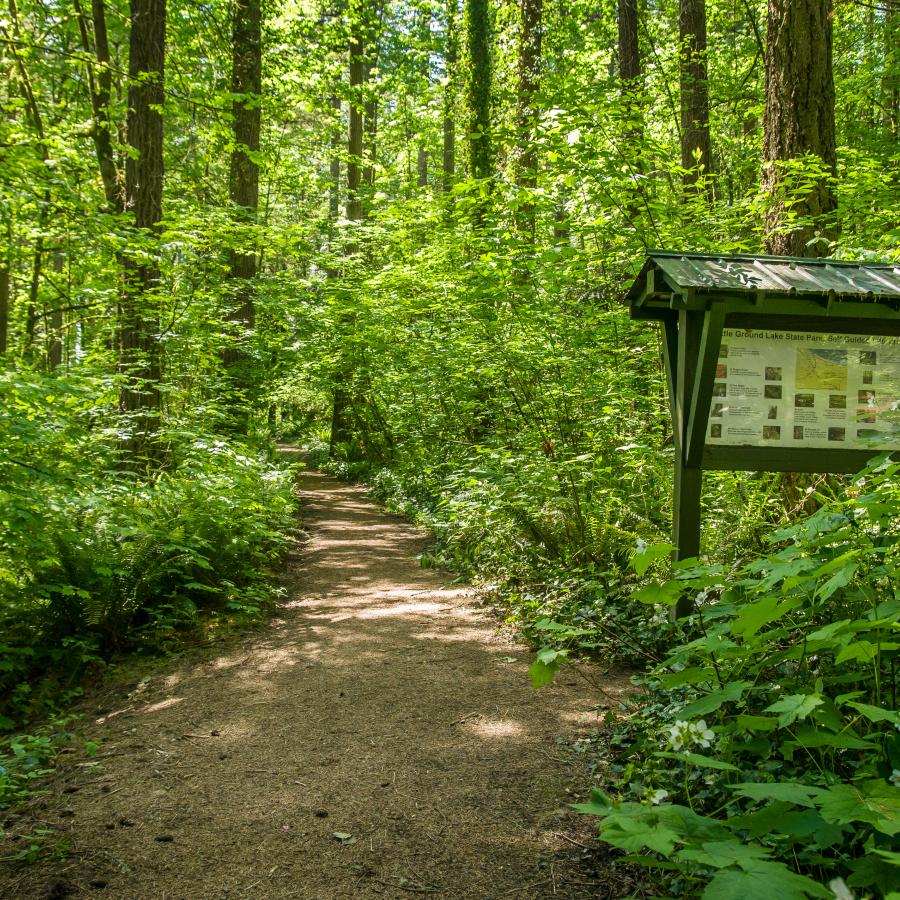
{"x":398,"y":232}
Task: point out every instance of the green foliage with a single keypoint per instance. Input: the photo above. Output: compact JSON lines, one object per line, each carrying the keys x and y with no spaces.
{"x":765,"y":751}
{"x":94,"y":560}
{"x":25,"y":759}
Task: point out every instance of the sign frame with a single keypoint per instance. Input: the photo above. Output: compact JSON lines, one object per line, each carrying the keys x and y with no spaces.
{"x":695,"y":297}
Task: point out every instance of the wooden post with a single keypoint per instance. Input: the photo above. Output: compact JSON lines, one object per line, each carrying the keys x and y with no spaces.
{"x":688,"y":478}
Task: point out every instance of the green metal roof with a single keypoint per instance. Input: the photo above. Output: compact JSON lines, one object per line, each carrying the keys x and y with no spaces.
{"x":703,"y":273}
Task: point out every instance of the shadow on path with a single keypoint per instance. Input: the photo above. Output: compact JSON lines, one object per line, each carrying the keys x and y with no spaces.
{"x":378,"y":739}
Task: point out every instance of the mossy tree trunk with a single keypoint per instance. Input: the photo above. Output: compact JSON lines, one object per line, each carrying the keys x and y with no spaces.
{"x":799,"y":130}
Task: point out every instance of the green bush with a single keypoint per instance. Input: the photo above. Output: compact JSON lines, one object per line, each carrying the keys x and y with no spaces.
{"x":763,"y":756}
{"x":95,"y":560}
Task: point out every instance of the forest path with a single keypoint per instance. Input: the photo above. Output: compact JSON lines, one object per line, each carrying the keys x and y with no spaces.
{"x":381,"y":705}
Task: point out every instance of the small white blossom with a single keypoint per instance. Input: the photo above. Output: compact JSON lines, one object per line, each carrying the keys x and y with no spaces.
{"x":687,"y":734}
{"x":677,"y":734}
{"x":657,"y":797}
{"x":641,"y":546}
{"x":895,"y":778}
{"x":701,"y":734}
{"x":840,"y":890}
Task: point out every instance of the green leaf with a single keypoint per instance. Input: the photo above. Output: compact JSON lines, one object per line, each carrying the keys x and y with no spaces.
{"x":787,"y":791}
{"x":638,"y":829}
{"x":793,"y":707}
{"x":598,"y":805}
{"x":863,"y":651}
{"x":697,"y":759}
{"x":763,"y":612}
{"x":876,"y":713}
{"x":666,"y":593}
{"x":642,"y":560}
{"x":756,"y":723}
{"x":692,"y":675}
{"x":875,"y":802}
{"x":763,"y":879}
{"x":542,"y":674}
{"x":731,"y":692}
{"x":721,"y":854}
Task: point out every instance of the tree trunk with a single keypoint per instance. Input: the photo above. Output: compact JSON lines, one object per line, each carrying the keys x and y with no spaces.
{"x":54,"y":328}
{"x":478,"y":89}
{"x":370,"y":129}
{"x":139,"y":317}
{"x":452,"y":56}
{"x":630,"y":90}
{"x":5,"y":292}
{"x":799,"y":126}
{"x":355,"y":135}
{"x":629,"y":51}
{"x":891,"y":80}
{"x":334,"y":193}
{"x":100,"y":89}
{"x":696,"y":148}
{"x":243,"y":190}
{"x":529,"y":63}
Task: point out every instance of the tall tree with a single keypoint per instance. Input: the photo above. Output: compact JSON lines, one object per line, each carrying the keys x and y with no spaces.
{"x":95,"y":43}
{"x":478,"y":89}
{"x":370,"y":133}
{"x":630,"y":92}
{"x":334,"y":186}
{"x":357,"y":106}
{"x":696,"y":147}
{"x":451,"y":56}
{"x":5,"y":293}
{"x":243,"y":180}
{"x":139,"y":349}
{"x":799,"y":126}
{"x":528,"y":79}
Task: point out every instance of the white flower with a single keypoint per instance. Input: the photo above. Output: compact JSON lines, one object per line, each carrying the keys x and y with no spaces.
{"x":840,"y":890}
{"x":657,"y":797}
{"x":701,"y":734}
{"x":677,"y":734}
{"x":895,"y":778}
{"x":641,"y":546}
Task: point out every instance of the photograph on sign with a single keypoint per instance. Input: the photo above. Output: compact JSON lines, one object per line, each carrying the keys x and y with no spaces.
{"x":806,"y":389}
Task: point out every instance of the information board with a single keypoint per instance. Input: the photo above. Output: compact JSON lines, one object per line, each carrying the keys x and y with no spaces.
{"x":806,"y":389}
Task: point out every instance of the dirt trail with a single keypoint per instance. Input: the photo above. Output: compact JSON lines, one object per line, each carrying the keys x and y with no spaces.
{"x":382,"y":705}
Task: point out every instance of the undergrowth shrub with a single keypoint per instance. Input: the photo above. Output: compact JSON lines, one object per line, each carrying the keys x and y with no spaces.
{"x":762,"y":757}
{"x":94,"y":560}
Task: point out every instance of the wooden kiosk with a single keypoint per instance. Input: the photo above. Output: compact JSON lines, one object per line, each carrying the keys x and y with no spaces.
{"x":773,"y":364}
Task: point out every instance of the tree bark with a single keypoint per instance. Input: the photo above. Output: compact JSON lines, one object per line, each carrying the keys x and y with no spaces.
{"x":5,"y":289}
{"x":629,"y":51}
{"x":139,"y":362}
{"x":630,"y":91}
{"x":355,"y":134}
{"x":529,"y":63}
{"x":243,"y":189}
{"x":448,"y":159}
{"x":696,"y":146}
{"x":99,"y":90}
{"x":55,"y":326}
{"x":370,"y":129}
{"x":799,"y":126}
{"x":891,"y":79}
{"x":478,"y":89}
{"x":334,"y":193}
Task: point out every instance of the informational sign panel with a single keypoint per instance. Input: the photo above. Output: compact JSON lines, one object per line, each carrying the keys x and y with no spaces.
{"x":806,"y":389}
